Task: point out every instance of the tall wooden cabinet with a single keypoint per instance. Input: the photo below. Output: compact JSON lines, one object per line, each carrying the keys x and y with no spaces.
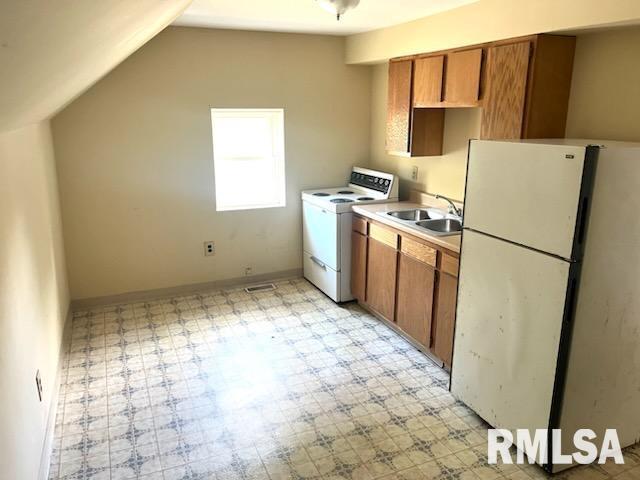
{"x":506,"y":77}
{"x":399,"y":106}
{"x":521,"y":84}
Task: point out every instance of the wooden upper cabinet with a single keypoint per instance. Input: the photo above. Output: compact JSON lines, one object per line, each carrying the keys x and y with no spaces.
{"x":549,"y":85}
{"x":399,"y":106}
{"x":462,"y":84}
{"x":522,"y":85}
{"x":427,"y":81}
{"x":410,"y":132}
{"x":504,"y":102}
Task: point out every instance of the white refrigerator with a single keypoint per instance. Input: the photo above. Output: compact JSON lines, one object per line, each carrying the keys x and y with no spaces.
{"x":548,"y":315}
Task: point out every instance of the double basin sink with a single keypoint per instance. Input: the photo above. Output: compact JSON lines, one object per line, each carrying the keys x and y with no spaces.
{"x":430,"y":220}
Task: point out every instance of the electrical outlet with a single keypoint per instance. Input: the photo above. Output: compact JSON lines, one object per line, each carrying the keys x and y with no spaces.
{"x":39,"y":384}
{"x":248,"y":271}
{"x":209,"y":249}
{"x":414,"y":173}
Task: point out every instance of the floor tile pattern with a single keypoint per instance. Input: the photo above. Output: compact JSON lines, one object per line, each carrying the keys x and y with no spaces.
{"x":285,"y":384}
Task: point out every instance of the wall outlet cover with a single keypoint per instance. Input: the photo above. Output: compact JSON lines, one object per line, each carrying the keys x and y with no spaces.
{"x":414,"y":173}
{"x":209,"y":249}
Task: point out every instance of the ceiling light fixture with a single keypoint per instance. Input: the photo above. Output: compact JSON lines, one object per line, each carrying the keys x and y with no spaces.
{"x":338,"y":7}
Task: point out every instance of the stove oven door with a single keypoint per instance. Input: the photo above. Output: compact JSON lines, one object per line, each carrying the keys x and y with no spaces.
{"x":321,"y":235}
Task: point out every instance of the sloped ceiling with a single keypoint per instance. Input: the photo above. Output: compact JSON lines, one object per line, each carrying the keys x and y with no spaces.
{"x":51,"y":51}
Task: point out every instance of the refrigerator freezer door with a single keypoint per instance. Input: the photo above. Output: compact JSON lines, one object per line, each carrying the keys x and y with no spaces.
{"x":509,"y":318}
{"x":525,"y":193}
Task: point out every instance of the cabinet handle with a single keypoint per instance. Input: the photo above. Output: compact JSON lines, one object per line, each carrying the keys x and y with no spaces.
{"x":318,"y":262}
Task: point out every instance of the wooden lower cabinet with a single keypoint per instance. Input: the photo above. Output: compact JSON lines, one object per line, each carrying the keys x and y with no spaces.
{"x":358,"y":265}
{"x":445,"y":318}
{"x":416,"y":282}
{"x":407,"y":281}
{"x":381,"y":278}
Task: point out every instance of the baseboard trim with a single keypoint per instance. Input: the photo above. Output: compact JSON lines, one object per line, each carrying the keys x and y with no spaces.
{"x":158,"y":293}
{"x":47,"y":446}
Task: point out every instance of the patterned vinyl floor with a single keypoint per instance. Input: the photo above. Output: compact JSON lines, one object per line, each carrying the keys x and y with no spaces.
{"x":276,"y":385}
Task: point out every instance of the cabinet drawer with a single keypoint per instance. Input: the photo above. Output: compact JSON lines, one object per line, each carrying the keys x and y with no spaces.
{"x":449,"y":265}
{"x":359,"y":225}
{"x":419,"y":251}
{"x":383,"y":235}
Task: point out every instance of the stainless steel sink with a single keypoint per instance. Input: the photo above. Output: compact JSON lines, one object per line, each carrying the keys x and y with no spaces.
{"x":429,"y":220}
{"x":442,"y":226}
{"x":414,"y":214}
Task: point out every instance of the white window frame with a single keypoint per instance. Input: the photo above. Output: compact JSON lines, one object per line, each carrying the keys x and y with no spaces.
{"x":276,"y":117}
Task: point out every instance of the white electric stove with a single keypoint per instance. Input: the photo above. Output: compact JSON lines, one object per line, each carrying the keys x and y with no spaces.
{"x":326,"y":226}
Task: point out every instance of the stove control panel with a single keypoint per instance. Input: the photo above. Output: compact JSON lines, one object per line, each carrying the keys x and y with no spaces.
{"x":371,"y":181}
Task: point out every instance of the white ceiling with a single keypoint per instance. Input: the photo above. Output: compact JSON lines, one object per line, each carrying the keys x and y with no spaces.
{"x":305,"y":16}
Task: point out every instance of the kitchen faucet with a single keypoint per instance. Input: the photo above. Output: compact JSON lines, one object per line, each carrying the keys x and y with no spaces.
{"x":452,"y":209}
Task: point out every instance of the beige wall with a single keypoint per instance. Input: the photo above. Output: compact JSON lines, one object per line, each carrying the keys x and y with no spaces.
{"x":605,"y":92}
{"x":135,"y":156}
{"x":34,"y":297}
{"x":604,"y":104}
{"x":485,"y":21}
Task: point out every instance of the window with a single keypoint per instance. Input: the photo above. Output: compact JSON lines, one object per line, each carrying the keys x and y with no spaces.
{"x":248,"y":157}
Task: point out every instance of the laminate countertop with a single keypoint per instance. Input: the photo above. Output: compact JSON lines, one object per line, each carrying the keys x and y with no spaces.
{"x":450,"y":242}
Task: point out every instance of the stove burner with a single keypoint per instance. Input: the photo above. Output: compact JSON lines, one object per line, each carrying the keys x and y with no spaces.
{"x":320,"y":194}
{"x":341,"y":200}
{"x":364,"y":199}
{"x":345,"y":192}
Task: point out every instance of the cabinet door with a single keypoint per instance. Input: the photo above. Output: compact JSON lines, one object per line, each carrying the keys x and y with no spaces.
{"x":381,"y":278}
{"x":399,"y":106}
{"x":445,"y":317}
{"x":462,"y":84}
{"x":506,"y":79}
{"x":427,"y":81}
{"x":358,"y":265}
{"x":415,"y":298}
